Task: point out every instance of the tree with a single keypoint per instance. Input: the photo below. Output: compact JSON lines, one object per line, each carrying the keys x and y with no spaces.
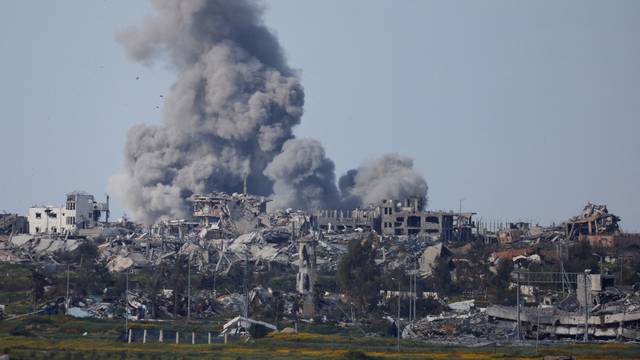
{"x":499,"y":289}
{"x":478,"y":253}
{"x":38,"y":282}
{"x":441,"y":277}
{"x":472,"y":275}
{"x":87,"y":251}
{"x":581,"y":258}
{"x":93,"y":276}
{"x":629,"y":273}
{"x":358,"y":275}
{"x":178,"y":280}
{"x":154,"y":285}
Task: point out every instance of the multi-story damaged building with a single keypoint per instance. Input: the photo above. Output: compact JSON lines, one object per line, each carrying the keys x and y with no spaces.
{"x":401,"y":217}
{"x":407,"y":218}
{"x":227,"y":215}
{"x":81,"y":211}
{"x":340,"y":220}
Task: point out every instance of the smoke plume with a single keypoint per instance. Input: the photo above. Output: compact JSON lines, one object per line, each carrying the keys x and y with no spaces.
{"x":233,"y":106}
{"x":304,"y":178}
{"x":229,"y":117}
{"x":391,"y":176}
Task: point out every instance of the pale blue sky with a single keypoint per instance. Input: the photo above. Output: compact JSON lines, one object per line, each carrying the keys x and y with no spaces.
{"x":527,"y":109}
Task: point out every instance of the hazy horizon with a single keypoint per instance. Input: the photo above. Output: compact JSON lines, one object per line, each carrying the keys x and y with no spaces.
{"x":526,"y":110}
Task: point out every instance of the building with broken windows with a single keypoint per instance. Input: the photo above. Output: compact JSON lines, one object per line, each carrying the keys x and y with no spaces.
{"x":81,"y":211}
{"x":400,"y":218}
{"x":349,"y":220}
{"x":406,"y":217}
{"x":224,"y":215}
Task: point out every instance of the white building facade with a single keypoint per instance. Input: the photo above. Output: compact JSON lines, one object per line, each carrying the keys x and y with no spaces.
{"x":81,"y":211}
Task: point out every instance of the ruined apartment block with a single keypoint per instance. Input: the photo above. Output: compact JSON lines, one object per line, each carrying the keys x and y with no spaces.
{"x":400,"y":218}
{"x":406,"y":217}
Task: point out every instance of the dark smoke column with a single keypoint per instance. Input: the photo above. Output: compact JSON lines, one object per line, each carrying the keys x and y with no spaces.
{"x":233,"y":106}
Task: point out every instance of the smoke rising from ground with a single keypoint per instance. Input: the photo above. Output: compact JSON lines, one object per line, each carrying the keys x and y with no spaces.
{"x":234,"y":104}
{"x":303,"y":176}
{"x":391,"y":176}
{"x":230,"y":116}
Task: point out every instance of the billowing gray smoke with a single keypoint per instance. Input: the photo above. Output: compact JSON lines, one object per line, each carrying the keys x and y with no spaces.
{"x":390,"y":177}
{"x":232,"y":108}
{"x":230,"y":117}
{"x":304,"y":178}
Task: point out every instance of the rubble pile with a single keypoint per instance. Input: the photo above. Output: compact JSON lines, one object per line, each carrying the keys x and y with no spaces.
{"x":229,"y":214}
{"x":24,"y":247}
{"x":468,"y":328}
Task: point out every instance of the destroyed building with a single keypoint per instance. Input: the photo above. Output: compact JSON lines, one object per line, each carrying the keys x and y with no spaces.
{"x":81,"y":211}
{"x":349,"y":220}
{"x":599,"y":227}
{"x":226,"y":215}
{"x":406,"y":217}
{"x":13,"y":224}
{"x":401,"y":218}
{"x":594,"y":220}
{"x":594,"y":309}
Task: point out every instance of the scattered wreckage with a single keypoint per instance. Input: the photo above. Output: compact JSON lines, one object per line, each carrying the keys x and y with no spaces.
{"x":233,"y":229}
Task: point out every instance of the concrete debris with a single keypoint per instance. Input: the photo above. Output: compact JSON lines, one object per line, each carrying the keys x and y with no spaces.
{"x":119,"y":263}
{"x":241,"y":325}
{"x":230,"y":233}
{"x":79,"y":312}
{"x":462,"y":306}
{"x":430,"y":257}
{"x":468,"y":328}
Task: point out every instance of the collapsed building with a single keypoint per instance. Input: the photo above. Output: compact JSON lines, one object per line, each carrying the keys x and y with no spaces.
{"x":594,"y":310}
{"x":13,"y":224}
{"x":599,"y":227}
{"x":594,"y":220}
{"x":227,"y":231}
{"x":228,"y":215}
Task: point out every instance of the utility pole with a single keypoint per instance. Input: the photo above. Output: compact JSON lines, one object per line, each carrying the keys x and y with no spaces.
{"x":398,"y":321}
{"x":518,"y":304}
{"x":415,"y":290}
{"x":214,"y":283}
{"x":189,"y":289}
{"x":537,"y":327}
{"x":586,"y":308}
{"x":126,"y":303}
{"x":66,"y":307}
{"x":245,"y":286}
{"x":410,"y":296}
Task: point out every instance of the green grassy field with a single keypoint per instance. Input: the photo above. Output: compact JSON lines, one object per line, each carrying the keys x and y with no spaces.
{"x":60,"y":337}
